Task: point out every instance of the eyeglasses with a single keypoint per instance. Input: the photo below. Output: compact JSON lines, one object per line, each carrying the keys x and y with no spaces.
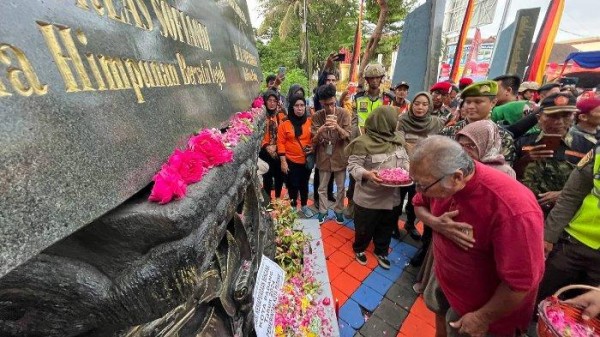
{"x":424,"y":189}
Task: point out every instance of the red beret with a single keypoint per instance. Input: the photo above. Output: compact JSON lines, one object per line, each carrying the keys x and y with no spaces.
{"x":587,"y":105}
{"x":465,"y":82}
{"x":443,"y":87}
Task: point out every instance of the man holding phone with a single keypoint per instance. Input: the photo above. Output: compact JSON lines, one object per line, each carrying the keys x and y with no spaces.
{"x":545,"y":159}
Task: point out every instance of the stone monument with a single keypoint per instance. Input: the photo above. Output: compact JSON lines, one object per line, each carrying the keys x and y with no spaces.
{"x":420,"y":46}
{"x":94,"y":96}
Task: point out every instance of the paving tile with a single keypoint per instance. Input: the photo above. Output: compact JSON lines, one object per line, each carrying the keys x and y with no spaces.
{"x":375,"y":326}
{"x":334,"y":241}
{"x":391,"y":313}
{"x":392,"y":274}
{"x":358,"y":271}
{"x":402,"y":295}
{"x":346,"y":283}
{"x":347,"y":248}
{"x":349,"y":223}
{"x":414,"y":326}
{"x":345,"y":329}
{"x":406,"y":279}
{"x":406,"y":249}
{"x":378,"y":282}
{"x":346,"y":233}
{"x":339,"y":296}
{"x":352,"y":314}
{"x":367,"y":297}
{"x":333,"y":270}
{"x":328,"y":249}
{"x":331,"y":225}
{"x":340,"y":259}
{"x":420,"y":310}
{"x":412,"y":270}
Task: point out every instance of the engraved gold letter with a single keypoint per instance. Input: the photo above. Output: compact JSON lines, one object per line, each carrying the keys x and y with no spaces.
{"x":35,"y":87}
{"x":62,"y":60}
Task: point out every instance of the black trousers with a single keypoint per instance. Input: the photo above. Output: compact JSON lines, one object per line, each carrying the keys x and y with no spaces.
{"x":297,"y":183}
{"x":274,"y":173}
{"x":376,"y":225}
{"x":316,"y":187}
{"x":350,"y":190}
{"x":411,"y":217}
{"x":571,"y":262}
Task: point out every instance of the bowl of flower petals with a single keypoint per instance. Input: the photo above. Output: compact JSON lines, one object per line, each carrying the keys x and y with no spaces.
{"x":394,"y":177}
{"x":560,"y":319}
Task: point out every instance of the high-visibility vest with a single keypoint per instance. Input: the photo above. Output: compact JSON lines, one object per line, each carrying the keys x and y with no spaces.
{"x":365,"y":105}
{"x":585,"y":225}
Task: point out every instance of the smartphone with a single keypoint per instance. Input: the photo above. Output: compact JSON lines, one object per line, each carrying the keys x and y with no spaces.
{"x":551,"y":141}
{"x":281,"y":72}
{"x":340,"y":57}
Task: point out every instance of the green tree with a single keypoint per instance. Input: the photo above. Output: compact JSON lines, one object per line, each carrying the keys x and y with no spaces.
{"x":386,"y":15}
{"x":331,"y":26}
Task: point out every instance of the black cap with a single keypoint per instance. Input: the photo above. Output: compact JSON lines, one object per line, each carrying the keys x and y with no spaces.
{"x":402,"y":84}
{"x":548,"y":86}
{"x":559,"y":102}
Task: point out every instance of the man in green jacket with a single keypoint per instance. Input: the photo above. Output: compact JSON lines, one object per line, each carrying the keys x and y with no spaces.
{"x":509,"y":109}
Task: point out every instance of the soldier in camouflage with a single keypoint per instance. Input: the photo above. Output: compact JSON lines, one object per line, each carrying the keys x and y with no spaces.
{"x":479,"y":100}
{"x":543,"y":164}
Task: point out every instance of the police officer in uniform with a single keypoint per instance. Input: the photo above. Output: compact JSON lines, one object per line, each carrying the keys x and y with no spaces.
{"x":362,"y":106}
{"x":572,"y":230}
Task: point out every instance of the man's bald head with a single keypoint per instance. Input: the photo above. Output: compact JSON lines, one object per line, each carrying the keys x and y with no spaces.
{"x":439,"y":156}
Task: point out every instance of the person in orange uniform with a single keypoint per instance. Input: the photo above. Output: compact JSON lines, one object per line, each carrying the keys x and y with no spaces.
{"x":268,"y":148}
{"x":294,"y":144}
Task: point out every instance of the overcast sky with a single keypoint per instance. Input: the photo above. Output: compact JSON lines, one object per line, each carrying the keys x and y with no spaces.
{"x":578,"y":19}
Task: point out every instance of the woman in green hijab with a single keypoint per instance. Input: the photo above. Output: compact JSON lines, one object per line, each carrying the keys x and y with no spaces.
{"x":376,"y":206}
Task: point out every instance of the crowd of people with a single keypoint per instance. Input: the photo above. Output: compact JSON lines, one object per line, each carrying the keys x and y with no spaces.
{"x":506,"y":180}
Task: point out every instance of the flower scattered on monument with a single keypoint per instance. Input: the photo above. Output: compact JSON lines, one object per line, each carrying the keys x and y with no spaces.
{"x":205,"y":150}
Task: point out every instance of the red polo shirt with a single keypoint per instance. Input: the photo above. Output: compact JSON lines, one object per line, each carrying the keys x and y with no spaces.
{"x":508,"y":228}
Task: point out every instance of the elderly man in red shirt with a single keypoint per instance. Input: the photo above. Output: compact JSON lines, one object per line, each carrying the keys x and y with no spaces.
{"x":488,"y":241}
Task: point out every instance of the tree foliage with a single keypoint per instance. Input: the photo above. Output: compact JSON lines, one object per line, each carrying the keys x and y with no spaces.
{"x":331,"y":26}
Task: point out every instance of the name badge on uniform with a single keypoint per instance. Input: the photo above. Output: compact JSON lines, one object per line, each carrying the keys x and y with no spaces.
{"x":363,"y":106}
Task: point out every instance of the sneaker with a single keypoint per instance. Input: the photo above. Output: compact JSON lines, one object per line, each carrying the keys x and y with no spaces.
{"x":383,"y":261}
{"x":321,"y":217}
{"x":339,"y":218}
{"x":307,"y":212}
{"x":361,"y":258}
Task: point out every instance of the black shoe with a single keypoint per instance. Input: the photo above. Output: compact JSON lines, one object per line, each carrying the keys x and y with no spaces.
{"x":418,"y":259}
{"x":383,"y":261}
{"x":414,"y":233}
{"x":361,"y":258}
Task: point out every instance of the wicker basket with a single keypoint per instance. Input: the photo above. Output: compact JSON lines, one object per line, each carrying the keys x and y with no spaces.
{"x":546,"y":330}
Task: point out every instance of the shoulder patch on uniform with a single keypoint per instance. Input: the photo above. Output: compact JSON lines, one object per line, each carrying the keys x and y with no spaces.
{"x":585,"y":160}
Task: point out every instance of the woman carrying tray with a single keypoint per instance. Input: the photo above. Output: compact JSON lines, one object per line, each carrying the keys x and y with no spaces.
{"x":376,"y":206}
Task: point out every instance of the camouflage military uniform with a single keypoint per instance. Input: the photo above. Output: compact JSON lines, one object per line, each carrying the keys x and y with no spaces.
{"x":443,"y":113}
{"x":508,"y":143}
{"x":548,"y":175}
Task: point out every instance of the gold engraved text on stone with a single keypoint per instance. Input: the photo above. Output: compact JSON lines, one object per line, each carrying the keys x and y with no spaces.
{"x":26,"y":86}
{"x":133,"y":12}
{"x":179,"y":26}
